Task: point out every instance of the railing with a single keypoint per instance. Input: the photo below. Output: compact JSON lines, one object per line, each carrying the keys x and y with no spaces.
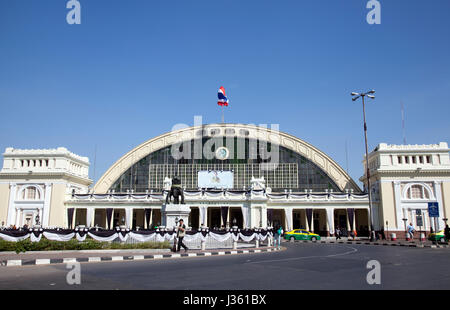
{"x":221,"y":195}
{"x":203,"y":239}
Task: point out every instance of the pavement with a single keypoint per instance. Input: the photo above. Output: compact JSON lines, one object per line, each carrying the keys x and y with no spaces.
{"x":300,"y":266}
{"x":9,"y":259}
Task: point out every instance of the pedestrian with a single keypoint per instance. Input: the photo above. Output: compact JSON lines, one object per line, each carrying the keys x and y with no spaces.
{"x":410,"y":229}
{"x":338,"y":233}
{"x":180,"y":235}
{"x":277,"y":237}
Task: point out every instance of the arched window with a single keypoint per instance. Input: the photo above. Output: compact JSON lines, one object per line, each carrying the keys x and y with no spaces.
{"x":417,"y":191}
{"x":30,"y":193}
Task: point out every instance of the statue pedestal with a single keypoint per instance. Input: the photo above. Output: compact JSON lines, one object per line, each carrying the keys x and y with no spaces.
{"x":171,"y":211}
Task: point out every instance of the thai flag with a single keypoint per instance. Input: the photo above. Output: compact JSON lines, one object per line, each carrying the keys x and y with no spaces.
{"x":223,"y":100}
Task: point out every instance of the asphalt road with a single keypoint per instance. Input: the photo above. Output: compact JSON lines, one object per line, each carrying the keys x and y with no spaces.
{"x":301,"y":266}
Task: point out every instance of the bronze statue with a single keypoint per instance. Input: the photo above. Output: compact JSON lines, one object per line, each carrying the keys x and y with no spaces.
{"x":175,"y":191}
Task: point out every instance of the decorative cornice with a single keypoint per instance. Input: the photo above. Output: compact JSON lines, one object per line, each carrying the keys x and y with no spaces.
{"x":46,"y":176}
{"x":60,"y":151}
{"x":442,"y":147}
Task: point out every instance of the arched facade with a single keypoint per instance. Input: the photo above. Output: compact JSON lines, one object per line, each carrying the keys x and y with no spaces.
{"x":315,"y":170}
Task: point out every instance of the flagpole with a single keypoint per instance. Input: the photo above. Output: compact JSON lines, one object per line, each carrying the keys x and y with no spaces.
{"x":223,"y":118}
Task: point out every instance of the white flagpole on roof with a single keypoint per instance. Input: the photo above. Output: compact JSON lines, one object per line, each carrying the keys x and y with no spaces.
{"x":223,"y":117}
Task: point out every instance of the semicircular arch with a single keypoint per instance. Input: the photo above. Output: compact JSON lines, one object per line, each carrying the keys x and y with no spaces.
{"x":305,"y":149}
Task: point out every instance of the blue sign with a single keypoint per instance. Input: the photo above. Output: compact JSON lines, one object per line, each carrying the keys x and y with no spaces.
{"x":433,"y":209}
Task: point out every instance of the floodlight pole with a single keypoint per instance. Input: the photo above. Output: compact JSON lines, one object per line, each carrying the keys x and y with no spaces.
{"x":372,"y":233}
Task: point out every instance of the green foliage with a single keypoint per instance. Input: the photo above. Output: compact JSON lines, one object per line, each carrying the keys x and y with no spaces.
{"x":73,"y":244}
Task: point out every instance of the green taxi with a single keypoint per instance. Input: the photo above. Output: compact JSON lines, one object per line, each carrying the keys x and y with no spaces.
{"x":300,"y":234}
{"x":438,"y":236}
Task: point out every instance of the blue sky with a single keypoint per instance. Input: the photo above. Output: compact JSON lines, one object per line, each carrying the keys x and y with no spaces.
{"x":117,"y":79}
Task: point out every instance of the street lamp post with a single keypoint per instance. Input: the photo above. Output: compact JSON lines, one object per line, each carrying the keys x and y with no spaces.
{"x":356,"y":96}
{"x":406,"y":231}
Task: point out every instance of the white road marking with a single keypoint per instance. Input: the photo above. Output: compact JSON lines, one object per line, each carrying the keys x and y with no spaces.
{"x":14,"y":262}
{"x":306,"y":257}
{"x":94,"y":259}
{"x":43,"y":261}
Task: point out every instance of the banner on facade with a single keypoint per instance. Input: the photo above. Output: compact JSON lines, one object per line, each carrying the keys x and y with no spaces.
{"x":215,"y":179}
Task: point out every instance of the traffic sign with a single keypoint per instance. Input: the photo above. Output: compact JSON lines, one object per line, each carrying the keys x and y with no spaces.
{"x":433,"y":209}
{"x":419,"y":220}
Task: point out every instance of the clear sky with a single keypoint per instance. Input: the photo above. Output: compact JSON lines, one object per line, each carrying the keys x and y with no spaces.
{"x":134,"y":68}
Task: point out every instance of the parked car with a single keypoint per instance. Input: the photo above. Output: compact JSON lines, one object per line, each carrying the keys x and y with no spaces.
{"x":300,"y":234}
{"x":439,"y":236}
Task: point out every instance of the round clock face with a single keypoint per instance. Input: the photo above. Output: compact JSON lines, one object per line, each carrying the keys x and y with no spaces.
{"x":222,"y":153}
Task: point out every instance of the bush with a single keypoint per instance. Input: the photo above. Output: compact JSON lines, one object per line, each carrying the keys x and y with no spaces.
{"x":73,"y":244}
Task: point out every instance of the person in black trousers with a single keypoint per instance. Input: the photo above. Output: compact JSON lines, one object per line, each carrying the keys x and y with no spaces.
{"x":181,"y":233}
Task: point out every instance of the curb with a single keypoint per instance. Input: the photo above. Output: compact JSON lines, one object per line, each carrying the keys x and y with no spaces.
{"x":52,"y":261}
{"x":411,"y":245}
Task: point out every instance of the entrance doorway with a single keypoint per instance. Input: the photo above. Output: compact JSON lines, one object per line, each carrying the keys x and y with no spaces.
{"x":214,"y":218}
{"x":100,"y":218}
{"x":194,"y":218}
{"x":299,"y":219}
{"x":138,"y":218}
{"x":278,"y":218}
{"x":236,"y":214}
{"x":119,"y":217}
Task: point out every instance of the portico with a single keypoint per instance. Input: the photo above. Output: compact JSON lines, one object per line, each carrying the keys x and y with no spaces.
{"x":314,"y":212}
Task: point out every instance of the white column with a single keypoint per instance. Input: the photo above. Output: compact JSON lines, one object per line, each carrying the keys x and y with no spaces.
{"x":306,"y":220}
{"x":264,"y":216}
{"x":255,"y":216}
{"x":288,"y":214}
{"x":46,"y":211}
{"x":18,"y":216}
{"x":438,"y":191}
{"x":245,"y":215}
{"x":11,"y":208}
{"x":348,"y":220}
{"x":150,"y":219}
{"x":398,"y":205}
{"x":129,"y":217}
{"x":330,"y":220}
{"x":89,"y":216}
{"x":203,"y":215}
